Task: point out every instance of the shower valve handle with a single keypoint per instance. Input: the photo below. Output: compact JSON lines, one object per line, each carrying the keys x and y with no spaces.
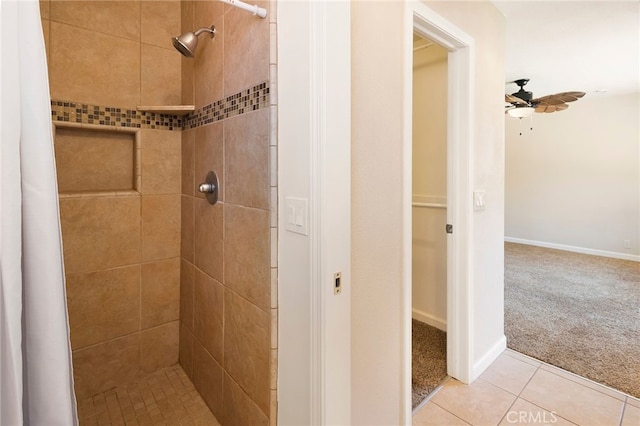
{"x":207,"y":188}
{"x":210,"y":187}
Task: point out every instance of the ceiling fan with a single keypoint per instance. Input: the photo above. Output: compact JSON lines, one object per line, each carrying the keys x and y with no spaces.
{"x":523,"y":104}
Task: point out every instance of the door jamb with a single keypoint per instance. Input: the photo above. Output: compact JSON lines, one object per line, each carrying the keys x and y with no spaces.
{"x":460,"y":124}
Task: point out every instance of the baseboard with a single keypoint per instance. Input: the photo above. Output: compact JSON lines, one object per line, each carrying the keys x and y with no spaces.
{"x":429,"y":319}
{"x":604,"y":253}
{"x":487,"y":359}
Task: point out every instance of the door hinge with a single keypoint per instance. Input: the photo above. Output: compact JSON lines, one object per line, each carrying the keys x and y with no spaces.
{"x":449,"y":229}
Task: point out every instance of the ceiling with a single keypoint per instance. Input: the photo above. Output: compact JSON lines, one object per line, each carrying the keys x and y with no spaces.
{"x":588,"y":46}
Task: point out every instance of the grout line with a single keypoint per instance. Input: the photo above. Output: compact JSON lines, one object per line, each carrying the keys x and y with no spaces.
{"x":140,"y":218}
{"x":430,"y":395}
{"x":249,"y":397}
{"x":223,"y":364}
{"x":508,"y":410}
{"x":111,"y":268}
{"x":519,"y":395}
{"x":91,"y":30}
{"x":575,"y":378}
{"x":624,"y":408}
{"x":529,"y":381}
{"x":265,"y":310}
{"x":139,"y":41}
{"x":634,"y":399}
{"x":539,"y":368}
{"x":453,"y":414}
{"x":519,"y":356}
{"x":220,"y":363}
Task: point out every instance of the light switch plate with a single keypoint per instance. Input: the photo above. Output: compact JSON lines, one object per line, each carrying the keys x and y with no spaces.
{"x":478,"y":200}
{"x":297,"y":215}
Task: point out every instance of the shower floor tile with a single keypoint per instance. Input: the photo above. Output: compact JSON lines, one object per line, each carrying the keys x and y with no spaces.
{"x":166,"y":397}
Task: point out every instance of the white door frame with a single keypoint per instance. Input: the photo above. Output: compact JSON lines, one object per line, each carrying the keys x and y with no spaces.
{"x":461,"y":91}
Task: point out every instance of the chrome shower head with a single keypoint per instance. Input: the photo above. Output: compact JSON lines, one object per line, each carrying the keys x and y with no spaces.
{"x":187,"y":42}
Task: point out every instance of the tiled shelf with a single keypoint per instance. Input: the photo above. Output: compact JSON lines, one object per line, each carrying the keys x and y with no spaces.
{"x":167,"y":109}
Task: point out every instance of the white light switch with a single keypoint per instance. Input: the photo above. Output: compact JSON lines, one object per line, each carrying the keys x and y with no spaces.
{"x":478,"y":200}
{"x":297,"y":215}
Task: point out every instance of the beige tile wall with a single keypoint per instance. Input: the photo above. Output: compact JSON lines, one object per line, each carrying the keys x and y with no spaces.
{"x":100,"y":232}
{"x":122,"y":250}
{"x":246,"y":48}
{"x":207,"y":76}
{"x":123,"y":272}
{"x":228,"y":298}
{"x":89,"y":160}
{"x":161,"y":254}
{"x":113,"y":52}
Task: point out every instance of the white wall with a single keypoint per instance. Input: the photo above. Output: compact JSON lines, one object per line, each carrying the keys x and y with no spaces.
{"x":376,"y":214}
{"x":486,"y":25}
{"x":429,"y":259}
{"x":314,"y":135}
{"x":573,"y":181}
{"x":377,"y":222}
{"x":294,"y":250}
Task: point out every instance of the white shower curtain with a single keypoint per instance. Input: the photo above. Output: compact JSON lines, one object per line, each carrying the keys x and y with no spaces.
{"x":36,"y":382}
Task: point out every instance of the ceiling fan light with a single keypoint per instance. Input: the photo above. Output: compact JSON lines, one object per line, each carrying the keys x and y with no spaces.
{"x":521,"y":112}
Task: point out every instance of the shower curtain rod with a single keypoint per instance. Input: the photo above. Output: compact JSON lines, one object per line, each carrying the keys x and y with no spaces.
{"x":259,"y":11}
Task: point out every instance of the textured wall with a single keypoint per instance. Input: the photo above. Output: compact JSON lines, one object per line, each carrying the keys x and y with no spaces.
{"x":574,"y":179}
{"x":228,"y":331}
{"x":121,"y":247}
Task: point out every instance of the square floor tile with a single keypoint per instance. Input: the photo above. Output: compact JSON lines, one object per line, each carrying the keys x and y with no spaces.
{"x":522,"y":357}
{"x":573,"y":401}
{"x":633,"y":401}
{"x":509,"y":373}
{"x":432,"y":414}
{"x":584,"y":381}
{"x":631,"y":416}
{"x":525,"y":413}
{"x":479,"y":403}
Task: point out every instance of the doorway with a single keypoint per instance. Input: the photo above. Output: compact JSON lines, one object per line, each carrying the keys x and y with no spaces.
{"x":459,"y":100}
{"x":429,"y":219}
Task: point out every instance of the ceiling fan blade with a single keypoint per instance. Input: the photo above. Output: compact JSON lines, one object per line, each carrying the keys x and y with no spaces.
{"x":514,"y":100}
{"x":551,"y":108}
{"x":545,"y":108}
{"x":559,"y":98}
{"x":549,"y":100}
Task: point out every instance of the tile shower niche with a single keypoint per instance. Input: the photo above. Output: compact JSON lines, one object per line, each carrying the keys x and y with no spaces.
{"x":96,"y":160}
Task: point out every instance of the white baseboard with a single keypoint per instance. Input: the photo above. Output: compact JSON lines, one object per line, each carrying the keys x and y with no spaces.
{"x":487,"y":359}
{"x":429,"y":319}
{"x":595,"y":252}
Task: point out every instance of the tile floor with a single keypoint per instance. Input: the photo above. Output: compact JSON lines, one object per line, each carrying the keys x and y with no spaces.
{"x":519,"y":390}
{"x":515,"y":389}
{"x":166,"y":397}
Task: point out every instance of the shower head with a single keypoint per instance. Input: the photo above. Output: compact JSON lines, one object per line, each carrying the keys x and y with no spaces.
{"x":187,"y":42}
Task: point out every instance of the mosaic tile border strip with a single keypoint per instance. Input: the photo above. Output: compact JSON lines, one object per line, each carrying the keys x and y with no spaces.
{"x":247,"y":100}
{"x":76,"y":112}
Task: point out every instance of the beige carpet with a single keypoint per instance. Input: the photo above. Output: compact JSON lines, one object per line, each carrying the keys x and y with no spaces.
{"x":429,"y":360}
{"x":575,"y":311}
